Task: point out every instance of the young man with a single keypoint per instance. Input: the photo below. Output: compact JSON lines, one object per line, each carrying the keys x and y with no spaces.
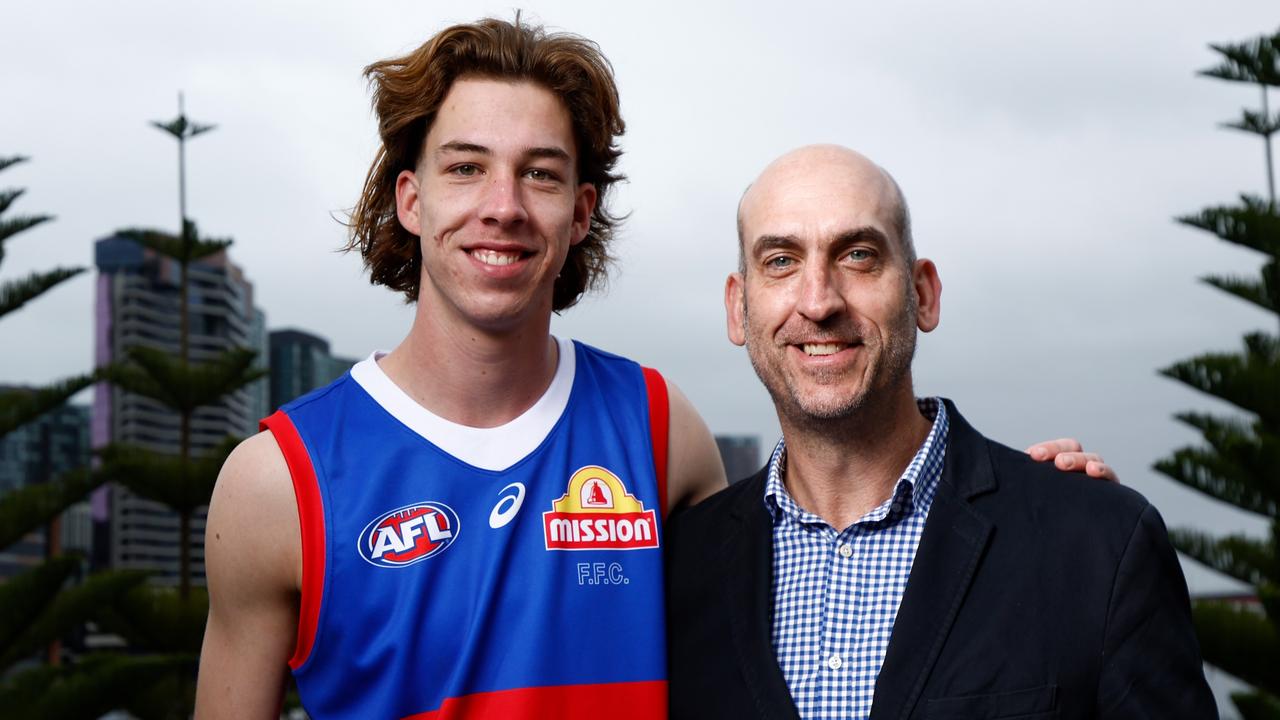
{"x":890,"y":561}
{"x":469,"y":525}
{"x":481,"y":507}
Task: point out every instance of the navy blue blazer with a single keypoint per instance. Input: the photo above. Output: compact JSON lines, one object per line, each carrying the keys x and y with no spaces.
{"x":1035,"y":594}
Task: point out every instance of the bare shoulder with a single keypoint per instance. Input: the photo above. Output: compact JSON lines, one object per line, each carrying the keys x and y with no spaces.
{"x":253,"y":566}
{"x":694,"y":470}
{"x":253,"y":508}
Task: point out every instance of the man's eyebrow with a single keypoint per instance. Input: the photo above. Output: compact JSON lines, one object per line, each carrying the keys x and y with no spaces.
{"x":765,"y":243}
{"x":549,"y":153}
{"x":773,"y":242}
{"x":459,"y":146}
{"x":863,"y":234}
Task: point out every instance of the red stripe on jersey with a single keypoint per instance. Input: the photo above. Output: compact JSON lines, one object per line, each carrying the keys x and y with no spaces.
{"x":659,"y":418}
{"x":617,"y":701}
{"x":311,"y":523}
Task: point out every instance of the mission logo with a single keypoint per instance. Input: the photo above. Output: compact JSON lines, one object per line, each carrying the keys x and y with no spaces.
{"x":597,"y":513}
{"x":409,"y":534}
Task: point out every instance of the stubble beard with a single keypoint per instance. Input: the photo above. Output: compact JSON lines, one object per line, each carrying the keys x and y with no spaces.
{"x":889,"y":366}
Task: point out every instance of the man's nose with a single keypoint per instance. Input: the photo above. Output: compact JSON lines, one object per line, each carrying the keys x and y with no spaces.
{"x":820,"y":296}
{"x":503,"y":201}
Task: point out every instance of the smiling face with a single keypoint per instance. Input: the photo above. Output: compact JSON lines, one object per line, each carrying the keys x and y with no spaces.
{"x":829,"y":302}
{"x":496,"y":202}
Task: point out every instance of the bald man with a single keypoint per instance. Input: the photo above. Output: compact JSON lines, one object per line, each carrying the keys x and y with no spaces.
{"x":890,"y":561}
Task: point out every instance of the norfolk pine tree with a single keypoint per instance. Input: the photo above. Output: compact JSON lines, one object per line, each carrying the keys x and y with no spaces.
{"x":1239,"y":461}
{"x":158,"y":619}
{"x":38,"y":607}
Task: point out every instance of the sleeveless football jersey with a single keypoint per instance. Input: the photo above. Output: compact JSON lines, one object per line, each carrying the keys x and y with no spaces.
{"x":457,"y":572}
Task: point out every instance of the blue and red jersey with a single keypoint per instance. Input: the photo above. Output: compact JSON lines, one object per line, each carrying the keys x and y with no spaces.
{"x":456,"y":572}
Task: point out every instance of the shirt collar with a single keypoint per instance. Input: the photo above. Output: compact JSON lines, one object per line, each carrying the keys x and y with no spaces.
{"x":913,"y":491}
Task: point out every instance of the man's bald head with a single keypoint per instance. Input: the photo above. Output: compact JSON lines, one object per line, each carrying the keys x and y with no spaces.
{"x":831,"y":172}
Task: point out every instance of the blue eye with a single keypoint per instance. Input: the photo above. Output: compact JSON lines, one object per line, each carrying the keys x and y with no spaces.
{"x":860,"y":254}
{"x":778,"y":262}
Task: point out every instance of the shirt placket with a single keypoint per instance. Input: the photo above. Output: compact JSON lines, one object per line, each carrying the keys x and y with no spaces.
{"x":842,"y":595}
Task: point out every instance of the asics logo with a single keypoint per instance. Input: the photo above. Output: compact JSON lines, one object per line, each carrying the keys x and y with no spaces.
{"x":510,"y":499}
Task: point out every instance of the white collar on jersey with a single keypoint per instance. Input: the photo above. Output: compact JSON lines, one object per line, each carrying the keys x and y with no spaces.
{"x":496,"y":448}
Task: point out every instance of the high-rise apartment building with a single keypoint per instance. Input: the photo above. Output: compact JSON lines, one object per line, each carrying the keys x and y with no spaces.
{"x":41,"y":450}
{"x":300,"y":363}
{"x":740,"y":455}
{"x":138,"y":305}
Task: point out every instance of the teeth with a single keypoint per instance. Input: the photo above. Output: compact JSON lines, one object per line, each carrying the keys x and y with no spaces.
{"x":493,"y":257}
{"x":823,"y":348}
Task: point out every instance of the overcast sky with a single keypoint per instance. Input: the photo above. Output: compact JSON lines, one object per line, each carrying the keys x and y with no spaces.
{"x":1044,"y":148}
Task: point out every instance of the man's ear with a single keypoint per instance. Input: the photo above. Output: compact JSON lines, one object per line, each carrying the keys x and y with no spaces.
{"x":584,"y":203}
{"x":928,"y":289}
{"x":735,"y":309}
{"x":407,"y":195}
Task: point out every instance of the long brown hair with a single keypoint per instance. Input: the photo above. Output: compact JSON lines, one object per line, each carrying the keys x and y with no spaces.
{"x":408,"y":92}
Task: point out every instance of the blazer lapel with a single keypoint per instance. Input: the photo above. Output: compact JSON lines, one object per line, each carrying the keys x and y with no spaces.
{"x":950,"y":550}
{"x":747,"y":583}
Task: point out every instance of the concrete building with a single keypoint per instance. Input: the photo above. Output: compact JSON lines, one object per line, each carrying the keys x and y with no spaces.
{"x":300,"y":363}
{"x":138,"y":304}
{"x":740,"y":455}
{"x":43,"y":449}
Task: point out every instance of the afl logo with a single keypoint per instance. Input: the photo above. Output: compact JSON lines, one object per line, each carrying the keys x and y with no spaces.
{"x":409,"y":534}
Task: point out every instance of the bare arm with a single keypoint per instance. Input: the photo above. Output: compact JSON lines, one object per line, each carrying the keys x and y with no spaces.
{"x":694,"y":470}
{"x":253,"y":561}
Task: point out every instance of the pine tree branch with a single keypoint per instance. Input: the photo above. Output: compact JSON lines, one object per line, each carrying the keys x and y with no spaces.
{"x":1237,"y":466}
{"x":27,"y":508}
{"x":1255,"y":123}
{"x":13,"y":226}
{"x":1246,"y":559}
{"x":8,"y":196}
{"x":162,"y":478}
{"x":1254,"y":291}
{"x":174,"y":246}
{"x":1203,"y":471}
{"x":91,"y":688}
{"x":17,"y":293}
{"x":21,"y":406}
{"x":157,"y":619}
{"x":12,"y":160}
{"x":184,"y":388}
{"x":1256,"y":706}
{"x":1250,"y":380}
{"x":61,"y":612}
{"x":1254,"y":61}
{"x":24,"y":596}
{"x":1240,"y":641}
{"x":1253,"y":224}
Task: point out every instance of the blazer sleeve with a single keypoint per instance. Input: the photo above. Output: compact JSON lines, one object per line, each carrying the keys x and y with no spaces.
{"x":1151,"y":660}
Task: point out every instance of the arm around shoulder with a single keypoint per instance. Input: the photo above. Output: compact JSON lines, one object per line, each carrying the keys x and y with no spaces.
{"x":1151,"y":658}
{"x":694,"y":470}
{"x":253,"y":566}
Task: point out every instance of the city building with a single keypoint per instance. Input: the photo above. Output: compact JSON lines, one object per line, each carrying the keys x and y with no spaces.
{"x":37,"y":452}
{"x":740,"y":455}
{"x":300,"y":363}
{"x":137,"y":305}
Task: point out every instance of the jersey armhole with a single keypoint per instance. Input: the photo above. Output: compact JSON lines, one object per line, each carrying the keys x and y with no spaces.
{"x":659,"y":420}
{"x":311,"y":524}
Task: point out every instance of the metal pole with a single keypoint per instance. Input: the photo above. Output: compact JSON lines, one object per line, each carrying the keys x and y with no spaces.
{"x":1271,"y":180}
{"x":182,"y":170}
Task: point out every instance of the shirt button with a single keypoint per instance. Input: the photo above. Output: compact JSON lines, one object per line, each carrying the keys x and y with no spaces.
{"x":834,"y":662}
{"x":845,"y":550}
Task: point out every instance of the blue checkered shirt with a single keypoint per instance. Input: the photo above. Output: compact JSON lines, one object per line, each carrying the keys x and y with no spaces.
{"x":836,"y":593}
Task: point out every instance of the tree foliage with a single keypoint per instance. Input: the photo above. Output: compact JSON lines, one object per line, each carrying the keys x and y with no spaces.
{"x":53,"y":600}
{"x":1238,"y":461}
